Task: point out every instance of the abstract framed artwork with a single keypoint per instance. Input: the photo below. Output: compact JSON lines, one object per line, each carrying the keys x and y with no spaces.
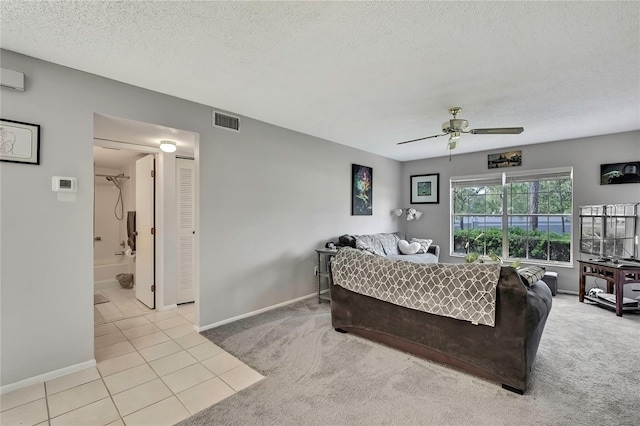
{"x":19,"y":142}
{"x":615,"y":173}
{"x":505,"y":159}
{"x":361,"y":190}
{"x":425,"y":189}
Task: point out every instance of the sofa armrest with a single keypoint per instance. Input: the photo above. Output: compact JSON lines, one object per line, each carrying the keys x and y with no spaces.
{"x":435,"y":250}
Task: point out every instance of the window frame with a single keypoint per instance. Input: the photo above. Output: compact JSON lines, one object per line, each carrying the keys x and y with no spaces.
{"x":504,"y":179}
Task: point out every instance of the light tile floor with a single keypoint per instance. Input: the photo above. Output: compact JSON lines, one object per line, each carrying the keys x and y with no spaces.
{"x":152,"y":369}
{"x":122,"y":304}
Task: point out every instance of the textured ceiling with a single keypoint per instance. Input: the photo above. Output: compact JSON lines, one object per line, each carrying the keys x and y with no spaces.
{"x":364,"y":74}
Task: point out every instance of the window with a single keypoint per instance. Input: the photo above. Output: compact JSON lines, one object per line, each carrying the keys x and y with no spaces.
{"x":514,"y":215}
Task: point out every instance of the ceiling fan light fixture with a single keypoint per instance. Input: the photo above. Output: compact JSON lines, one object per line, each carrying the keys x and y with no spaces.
{"x":168,"y":146}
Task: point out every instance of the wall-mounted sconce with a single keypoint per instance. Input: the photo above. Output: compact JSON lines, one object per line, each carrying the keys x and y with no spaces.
{"x":168,"y":146}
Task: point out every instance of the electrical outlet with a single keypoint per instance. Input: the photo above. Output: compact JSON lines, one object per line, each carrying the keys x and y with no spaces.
{"x":316,"y":271}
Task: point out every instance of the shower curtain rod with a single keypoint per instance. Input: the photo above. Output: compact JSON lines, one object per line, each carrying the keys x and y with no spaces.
{"x":113,"y":176}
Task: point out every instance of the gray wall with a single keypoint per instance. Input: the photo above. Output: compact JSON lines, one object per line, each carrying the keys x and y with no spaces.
{"x":584,"y":155}
{"x":268,"y":197}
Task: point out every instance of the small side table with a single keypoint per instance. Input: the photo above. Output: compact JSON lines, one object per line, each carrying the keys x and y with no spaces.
{"x":323,"y":273}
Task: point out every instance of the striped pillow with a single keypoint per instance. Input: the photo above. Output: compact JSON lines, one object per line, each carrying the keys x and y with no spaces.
{"x":531,"y":274}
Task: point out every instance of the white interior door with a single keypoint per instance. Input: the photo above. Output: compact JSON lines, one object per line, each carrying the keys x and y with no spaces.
{"x":145,"y":223}
{"x":186,"y":229}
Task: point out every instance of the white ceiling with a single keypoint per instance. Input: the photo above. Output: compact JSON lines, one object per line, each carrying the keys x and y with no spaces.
{"x":364,"y":74}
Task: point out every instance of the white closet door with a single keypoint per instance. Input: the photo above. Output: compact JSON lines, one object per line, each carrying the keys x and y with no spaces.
{"x":186,"y":230}
{"x":145,"y":223}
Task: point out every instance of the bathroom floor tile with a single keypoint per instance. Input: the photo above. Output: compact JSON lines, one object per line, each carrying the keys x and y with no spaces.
{"x":27,"y":414}
{"x":149,"y":340}
{"x":166,"y":412}
{"x":101,"y":330}
{"x":132,"y":322}
{"x":161,"y":350}
{"x":171,"y":322}
{"x":187,"y":308}
{"x":221,"y":363}
{"x":205,"y":350}
{"x":109,"y":339}
{"x":241,"y":377}
{"x":205,"y":394}
{"x":18,"y":397}
{"x":130,"y":378}
{"x":187,"y":377}
{"x":120,"y":363}
{"x":190,"y":317}
{"x":160,"y":315}
{"x":171,"y":363}
{"x":190,"y":340}
{"x":180,"y":331}
{"x":142,"y":330}
{"x":77,"y":397}
{"x":97,"y":413}
{"x":69,"y":381}
{"x":113,"y":351}
{"x":141,"y":396}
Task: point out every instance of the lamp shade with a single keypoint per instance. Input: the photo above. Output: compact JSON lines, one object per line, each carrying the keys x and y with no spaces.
{"x":398,"y":212}
{"x":418,"y":215}
{"x":168,"y":146}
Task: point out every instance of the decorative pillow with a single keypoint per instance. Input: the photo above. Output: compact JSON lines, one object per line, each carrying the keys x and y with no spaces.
{"x":424,"y":244}
{"x":408,"y":248}
{"x":531,"y":274}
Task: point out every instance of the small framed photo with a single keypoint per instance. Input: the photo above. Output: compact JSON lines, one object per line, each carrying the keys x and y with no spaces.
{"x":425,"y":189}
{"x":19,"y":142}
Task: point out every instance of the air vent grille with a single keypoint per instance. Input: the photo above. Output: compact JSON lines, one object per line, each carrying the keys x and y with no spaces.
{"x":226,"y":121}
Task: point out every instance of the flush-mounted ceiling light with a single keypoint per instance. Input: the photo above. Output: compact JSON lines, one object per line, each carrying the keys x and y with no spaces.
{"x":168,"y":146}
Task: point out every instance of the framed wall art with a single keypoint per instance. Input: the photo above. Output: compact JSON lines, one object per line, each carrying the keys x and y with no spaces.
{"x":425,"y":189}
{"x":19,"y":142}
{"x":612,"y":174}
{"x":505,"y":159}
{"x":361,"y":190}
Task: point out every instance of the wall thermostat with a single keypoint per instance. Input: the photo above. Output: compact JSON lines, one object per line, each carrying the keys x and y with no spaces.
{"x":64,"y":184}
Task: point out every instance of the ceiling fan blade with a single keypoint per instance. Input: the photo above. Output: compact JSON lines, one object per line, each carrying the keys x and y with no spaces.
{"x":498,"y":131}
{"x":421,"y":139}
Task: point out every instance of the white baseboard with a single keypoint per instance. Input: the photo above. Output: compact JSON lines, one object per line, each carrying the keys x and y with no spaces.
{"x":47,"y":376}
{"x":250,"y":314}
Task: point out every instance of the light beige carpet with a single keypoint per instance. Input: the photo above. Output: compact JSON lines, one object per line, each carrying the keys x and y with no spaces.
{"x":587,"y":372}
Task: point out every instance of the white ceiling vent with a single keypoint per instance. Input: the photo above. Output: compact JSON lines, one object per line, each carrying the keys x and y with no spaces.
{"x":226,"y":121}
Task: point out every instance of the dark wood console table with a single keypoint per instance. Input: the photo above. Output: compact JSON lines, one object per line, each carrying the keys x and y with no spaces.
{"x":614,"y":274}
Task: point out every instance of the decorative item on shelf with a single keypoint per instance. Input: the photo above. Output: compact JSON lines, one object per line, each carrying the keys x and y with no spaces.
{"x":410,"y":214}
{"x":168,"y":146}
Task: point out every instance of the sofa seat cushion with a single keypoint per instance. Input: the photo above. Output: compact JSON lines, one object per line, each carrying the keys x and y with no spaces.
{"x":416,"y":258}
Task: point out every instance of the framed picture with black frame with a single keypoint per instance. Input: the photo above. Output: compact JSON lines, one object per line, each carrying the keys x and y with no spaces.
{"x":19,"y":142}
{"x":425,"y":189}
{"x":361,"y":190}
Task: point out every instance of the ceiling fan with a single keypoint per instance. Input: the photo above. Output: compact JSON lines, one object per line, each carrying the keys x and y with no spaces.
{"x":456,"y":126}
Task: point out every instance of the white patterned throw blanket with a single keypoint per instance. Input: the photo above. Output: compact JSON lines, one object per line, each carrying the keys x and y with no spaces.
{"x":462,"y":291}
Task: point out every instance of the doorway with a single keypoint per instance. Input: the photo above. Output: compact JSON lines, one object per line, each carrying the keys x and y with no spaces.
{"x":160,"y":241}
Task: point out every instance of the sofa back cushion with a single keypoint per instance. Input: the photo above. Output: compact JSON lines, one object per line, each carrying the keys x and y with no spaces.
{"x":380,"y":244}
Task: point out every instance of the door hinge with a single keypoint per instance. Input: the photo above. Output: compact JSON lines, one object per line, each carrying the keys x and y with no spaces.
{"x":153,"y":231}
{"x":153,"y":287}
{"x":153,"y":173}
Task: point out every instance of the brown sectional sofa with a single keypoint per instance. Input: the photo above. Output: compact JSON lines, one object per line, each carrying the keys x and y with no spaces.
{"x":504,"y":354}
